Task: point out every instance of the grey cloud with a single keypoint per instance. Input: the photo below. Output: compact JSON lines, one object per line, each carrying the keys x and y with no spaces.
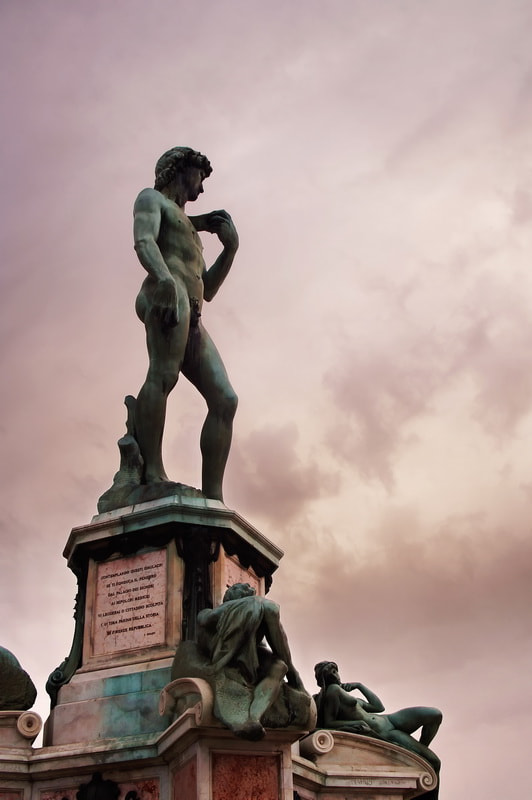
{"x":297,"y":113}
{"x":269,"y":477}
{"x":384,"y":387}
{"x":418,"y":603}
{"x":378,"y":393}
{"x":495,"y":351}
{"x":522,"y":205}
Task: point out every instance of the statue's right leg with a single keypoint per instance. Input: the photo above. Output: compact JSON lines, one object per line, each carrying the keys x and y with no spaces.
{"x":166,"y":349}
{"x":267,"y":690}
{"x":205,"y":370}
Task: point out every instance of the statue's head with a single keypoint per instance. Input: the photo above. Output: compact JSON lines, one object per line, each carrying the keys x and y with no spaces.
{"x":326,"y":672}
{"x":239,"y":590}
{"x":177,"y":160}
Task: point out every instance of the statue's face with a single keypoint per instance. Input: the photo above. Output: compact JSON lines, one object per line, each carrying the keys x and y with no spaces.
{"x":330,"y":673}
{"x":194,"y":178}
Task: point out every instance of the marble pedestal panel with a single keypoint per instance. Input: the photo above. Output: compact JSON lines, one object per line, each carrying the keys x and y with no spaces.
{"x":333,"y":765}
{"x":143,"y":574}
{"x":210,"y":763}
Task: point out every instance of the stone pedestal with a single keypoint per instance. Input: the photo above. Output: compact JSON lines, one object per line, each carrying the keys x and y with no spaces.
{"x":195,"y":758}
{"x":18,"y":730}
{"x":188,"y":761}
{"x":143,"y":574}
{"x":119,"y":726}
{"x":220,"y":767}
{"x":346,"y":766}
{"x":207,"y":762}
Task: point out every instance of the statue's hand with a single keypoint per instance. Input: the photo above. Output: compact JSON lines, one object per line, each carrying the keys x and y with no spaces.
{"x":220,"y":223}
{"x":350,"y":687}
{"x":164,"y":303}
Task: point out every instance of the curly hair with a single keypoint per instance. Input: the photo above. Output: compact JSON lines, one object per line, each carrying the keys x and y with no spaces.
{"x":234,"y":592}
{"x":177,"y":160}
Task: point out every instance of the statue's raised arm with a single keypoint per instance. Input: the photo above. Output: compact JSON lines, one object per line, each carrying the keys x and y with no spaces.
{"x":220,"y":223}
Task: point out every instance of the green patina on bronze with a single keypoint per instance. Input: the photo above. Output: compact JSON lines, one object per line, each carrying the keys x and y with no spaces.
{"x":254,"y":686}
{"x":17,"y":691}
{"x":339,"y":710}
{"x":170,"y":304}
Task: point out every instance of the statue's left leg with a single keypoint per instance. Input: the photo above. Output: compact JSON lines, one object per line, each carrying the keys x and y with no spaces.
{"x":408,"y":720}
{"x":205,"y":370}
{"x":409,"y":743}
{"x":267,"y":690}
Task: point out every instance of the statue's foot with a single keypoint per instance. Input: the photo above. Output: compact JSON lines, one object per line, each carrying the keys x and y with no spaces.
{"x":251,"y":730}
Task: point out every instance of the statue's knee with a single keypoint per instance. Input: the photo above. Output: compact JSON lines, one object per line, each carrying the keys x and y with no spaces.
{"x":230,"y":403}
{"x":279,"y":669}
{"x":222,"y":402}
{"x":168,"y":380}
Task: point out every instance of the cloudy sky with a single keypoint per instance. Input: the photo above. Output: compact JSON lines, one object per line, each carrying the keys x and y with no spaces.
{"x":376,"y":156}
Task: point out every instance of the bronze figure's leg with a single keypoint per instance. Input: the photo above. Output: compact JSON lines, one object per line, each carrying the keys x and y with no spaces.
{"x":204,"y":368}
{"x":409,"y":720}
{"x":166,"y":349}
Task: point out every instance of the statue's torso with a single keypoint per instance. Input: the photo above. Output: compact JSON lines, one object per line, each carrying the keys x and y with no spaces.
{"x":350,"y":711}
{"x":181,"y":250}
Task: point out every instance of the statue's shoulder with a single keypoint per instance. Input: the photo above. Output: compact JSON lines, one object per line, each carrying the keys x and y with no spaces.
{"x":148,"y":199}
